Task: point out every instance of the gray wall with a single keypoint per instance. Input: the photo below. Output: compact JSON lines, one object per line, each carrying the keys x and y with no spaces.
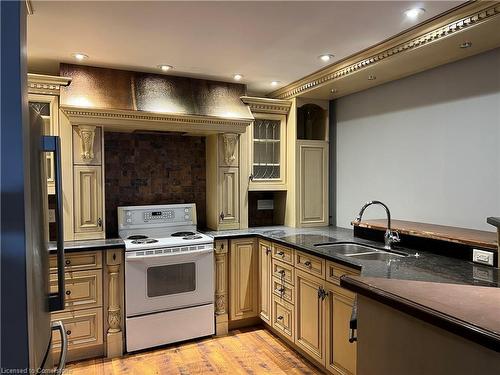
{"x":428,"y":145}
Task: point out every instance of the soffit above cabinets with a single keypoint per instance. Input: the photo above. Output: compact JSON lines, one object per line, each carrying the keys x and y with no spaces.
{"x":127,"y":101}
{"x":430,"y":44}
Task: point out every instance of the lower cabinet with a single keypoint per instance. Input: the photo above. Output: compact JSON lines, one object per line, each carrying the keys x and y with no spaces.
{"x":243,"y":279}
{"x":92,"y":315}
{"x":340,"y":353}
{"x":310,"y":315}
{"x":283,"y":318}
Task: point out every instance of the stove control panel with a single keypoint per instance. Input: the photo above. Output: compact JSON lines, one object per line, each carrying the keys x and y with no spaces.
{"x":165,"y":215}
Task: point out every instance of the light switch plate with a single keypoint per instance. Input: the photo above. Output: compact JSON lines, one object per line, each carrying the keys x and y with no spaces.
{"x":483,"y":257}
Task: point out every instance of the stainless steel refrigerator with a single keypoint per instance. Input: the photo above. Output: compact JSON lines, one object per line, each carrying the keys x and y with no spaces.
{"x":26,"y":301}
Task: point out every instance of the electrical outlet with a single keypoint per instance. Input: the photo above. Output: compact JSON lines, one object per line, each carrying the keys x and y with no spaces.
{"x":483,"y":257}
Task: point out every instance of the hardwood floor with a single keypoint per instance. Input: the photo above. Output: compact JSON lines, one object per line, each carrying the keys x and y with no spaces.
{"x":248,"y":351}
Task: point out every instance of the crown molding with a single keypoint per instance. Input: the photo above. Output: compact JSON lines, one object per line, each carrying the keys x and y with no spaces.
{"x":130,"y":120}
{"x":44,"y":84}
{"x":267,"y":105}
{"x":456,"y":20}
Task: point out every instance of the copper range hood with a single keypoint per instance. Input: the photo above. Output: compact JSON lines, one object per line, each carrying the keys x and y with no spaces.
{"x":123,"y":100}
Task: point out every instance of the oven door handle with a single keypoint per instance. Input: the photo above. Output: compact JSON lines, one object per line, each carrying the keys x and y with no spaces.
{"x":132,"y":257}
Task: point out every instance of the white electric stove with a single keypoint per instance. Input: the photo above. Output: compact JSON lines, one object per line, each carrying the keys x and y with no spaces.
{"x":169,"y":275}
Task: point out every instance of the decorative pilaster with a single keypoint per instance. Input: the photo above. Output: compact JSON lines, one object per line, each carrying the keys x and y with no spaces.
{"x":221,"y":288}
{"x":230,"y":140}
{"x":114,"y":340}
{"x":87,"y":135}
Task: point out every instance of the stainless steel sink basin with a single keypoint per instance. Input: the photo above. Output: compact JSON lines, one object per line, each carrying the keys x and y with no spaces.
{"x":346,"y":248}
{"x":379,"y":255}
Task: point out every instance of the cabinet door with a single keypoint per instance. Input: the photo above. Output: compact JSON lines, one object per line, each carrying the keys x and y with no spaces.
{"x":313,"y":182}
{"x":309,"y":315}
{"x":265,"y":280}
{"x":340,"y":353}
{"x":268,"y":152}
{"x":244,"y":282}
{"x":88,"y":202}
{"x":229,"y":195}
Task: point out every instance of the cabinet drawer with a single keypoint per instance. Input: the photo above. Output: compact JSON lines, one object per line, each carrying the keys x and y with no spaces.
{"x":78,"y":261}
{"x":283,"y":271}
{"x":282,"y":253}
{"x":83,"y":288}
{"x":309,"y":263}
{"x":334,"y":271}
{"x":83,"y":327}
{"x":284,"y":291}
{"x":283,"y":318}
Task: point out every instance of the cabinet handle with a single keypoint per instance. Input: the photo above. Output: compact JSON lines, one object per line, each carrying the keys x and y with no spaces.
{"x":68,"y":292}
{"x":281,"y":272}
{"x":321,"y":293}
{"x":280,"y":253}
{"x":268,"y":251}
{"x":280,"y":317}
{"x":221,"y":215}
{"x":99,"y":222}
{"x":281,"y":290}
{"x":308,"y":264}
{"x":251,"y":177}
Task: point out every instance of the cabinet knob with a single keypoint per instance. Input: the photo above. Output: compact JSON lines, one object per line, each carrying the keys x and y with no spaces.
{"x":99,"y":222}
{"x":268,"y":251}
{"x":308,"y":264}
{"x":221,"y":215}
{"x":280,"y":253}
{"x":281,"y":290}
{"x":68,"y":332}
{"x":281,"y":272}
{"x":280,"y":317}
{"x":67,"y":262}
{"x":251,"y":177}
{"x":68,"y":292}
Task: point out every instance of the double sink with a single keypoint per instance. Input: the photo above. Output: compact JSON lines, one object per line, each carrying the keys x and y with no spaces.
{"x":362,"y":252}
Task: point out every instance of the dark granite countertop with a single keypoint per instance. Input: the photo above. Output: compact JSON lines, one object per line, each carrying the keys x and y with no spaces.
{"x":427,"y":266}
{"x":468,"y":311}
{"x":84,"y":245}
{"x":495,"y":221}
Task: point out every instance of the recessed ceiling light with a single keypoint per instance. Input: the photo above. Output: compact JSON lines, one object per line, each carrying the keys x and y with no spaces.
{"x":414,"y":13}
{"x":371,"y":77}
{"x":275,"y":83}
{"x":326,"y":57}
{"x":165,"y":68}
{"x":334,"y":91}
{"x":237,"y":77}
{"x":466,"y":44}
{"x":80,"y":56}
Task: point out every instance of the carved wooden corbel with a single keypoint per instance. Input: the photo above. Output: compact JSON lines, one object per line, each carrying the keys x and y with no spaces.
{"x":87,"y":135}
{"x":230,"y":141}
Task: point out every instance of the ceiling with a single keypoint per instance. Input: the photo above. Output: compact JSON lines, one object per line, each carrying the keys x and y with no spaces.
{"x":263,"y":40}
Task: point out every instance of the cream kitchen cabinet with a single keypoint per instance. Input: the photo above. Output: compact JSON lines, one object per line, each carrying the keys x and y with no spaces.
{"x":265,"y":280}
{"x":243,"y":279}
{"x":310,"y":312}
{"x":223,"y":182}
{"x":88,"y":202}
{"x":312,"y":183}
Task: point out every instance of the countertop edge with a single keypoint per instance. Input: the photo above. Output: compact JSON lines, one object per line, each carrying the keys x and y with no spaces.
{"x":479,"y":335}
{"x":89,"y":245}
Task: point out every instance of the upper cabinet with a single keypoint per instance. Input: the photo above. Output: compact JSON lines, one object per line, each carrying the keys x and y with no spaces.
{"x":268,"y":152}
{"x":267,"y":144}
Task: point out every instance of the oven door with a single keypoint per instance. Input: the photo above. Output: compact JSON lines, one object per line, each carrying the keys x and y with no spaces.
{"x":155,"y":283}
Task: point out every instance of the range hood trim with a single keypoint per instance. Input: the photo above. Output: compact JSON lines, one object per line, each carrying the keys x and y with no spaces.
{"x":130,"y":120}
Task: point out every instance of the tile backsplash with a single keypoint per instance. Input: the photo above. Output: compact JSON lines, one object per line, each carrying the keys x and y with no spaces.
{"x":153,"y":168}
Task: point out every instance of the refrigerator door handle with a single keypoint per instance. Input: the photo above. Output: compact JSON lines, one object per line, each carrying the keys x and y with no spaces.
{"x":59,"y":326}
{"x":53,"y":144}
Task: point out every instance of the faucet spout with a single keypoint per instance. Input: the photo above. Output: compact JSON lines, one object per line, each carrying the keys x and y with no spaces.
{"x":390,"y":237}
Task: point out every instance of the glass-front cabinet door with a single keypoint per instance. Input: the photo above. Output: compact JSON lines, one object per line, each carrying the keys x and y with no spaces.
{"x":47,"y":107}
{"x":268,"y":152}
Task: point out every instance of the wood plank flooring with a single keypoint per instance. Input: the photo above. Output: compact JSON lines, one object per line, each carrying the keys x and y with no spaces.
{"x":247,"y":351}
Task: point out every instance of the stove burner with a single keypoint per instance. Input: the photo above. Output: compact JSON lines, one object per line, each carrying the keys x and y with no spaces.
{"x":144,"y":241}
{"x":137,"y":237}
{"x":182,"y":234}
{"x":192,"y":237}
